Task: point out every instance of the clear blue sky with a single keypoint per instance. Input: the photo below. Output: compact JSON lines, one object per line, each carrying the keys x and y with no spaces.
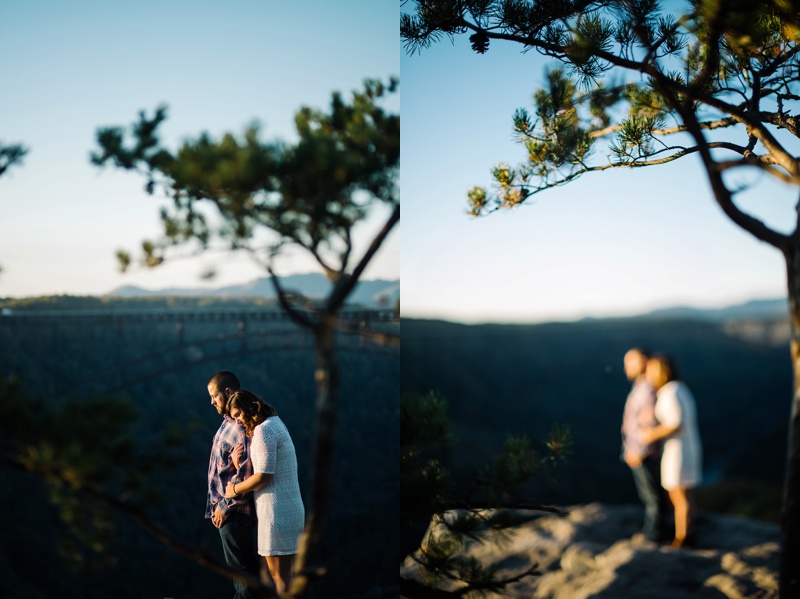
{"x":612,"y":243}
{"x":71,"y":67}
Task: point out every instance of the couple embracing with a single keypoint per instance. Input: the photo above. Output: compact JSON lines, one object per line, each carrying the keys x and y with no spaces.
{"x":252,"y":484}
{"x":661,"y":444}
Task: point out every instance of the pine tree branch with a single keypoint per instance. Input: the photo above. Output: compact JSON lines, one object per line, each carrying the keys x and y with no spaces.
{"x":779,"y":60}
{"x":330,"y":273}
{"x":784,"y":158}
{"x":721,"y":192}
{"x":710,"y":125}
{"x":11,"y":155}
{"x":344,"y":258}
{"x":283,"y":299}
{"x":762,"y":162}
{"x":563,"y":180}
{"x":346,"y":283}
{"x":474,"y":585}
{"x":785,"y":121}
{"x":754,"y":126}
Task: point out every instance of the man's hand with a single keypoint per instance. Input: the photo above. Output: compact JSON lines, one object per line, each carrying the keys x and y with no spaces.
{"x":633,"y":460}
{"x":218,"y":518}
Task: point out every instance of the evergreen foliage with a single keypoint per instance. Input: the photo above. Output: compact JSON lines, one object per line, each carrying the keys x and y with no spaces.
{"x":11,"y":155}
{"x":694,"y":73}
{"x":87,"y":454}
{"x":424,"y":430}
{"x":428,"y":498}
{"x":310,"y":194}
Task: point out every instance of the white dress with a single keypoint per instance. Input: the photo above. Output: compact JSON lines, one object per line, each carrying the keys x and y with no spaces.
{"x":279,"y":507}
{"x":681,"y":460}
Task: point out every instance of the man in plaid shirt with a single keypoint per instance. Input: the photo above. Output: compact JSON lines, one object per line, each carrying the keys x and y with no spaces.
{"x":643,"y":459}
{"x":235,"y":518}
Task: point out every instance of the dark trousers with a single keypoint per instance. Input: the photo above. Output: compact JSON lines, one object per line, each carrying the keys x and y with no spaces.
{"x":239,"y":546}
{"x":648,"y":485}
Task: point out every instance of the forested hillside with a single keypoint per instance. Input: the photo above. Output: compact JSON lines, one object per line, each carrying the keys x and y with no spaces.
{"x":163,"y":370}
{"x":501,"y":379}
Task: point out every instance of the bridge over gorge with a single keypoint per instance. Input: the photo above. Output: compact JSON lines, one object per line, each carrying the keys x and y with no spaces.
{"x":179,"y":338}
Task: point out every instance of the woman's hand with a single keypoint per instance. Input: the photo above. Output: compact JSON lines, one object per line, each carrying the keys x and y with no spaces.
{"x":229,"y":492}
{"x":236,"y":456}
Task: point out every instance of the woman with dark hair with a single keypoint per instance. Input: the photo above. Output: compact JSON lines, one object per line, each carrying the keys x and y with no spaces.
{"x":279,"y":507}
{"x":681,"y":459}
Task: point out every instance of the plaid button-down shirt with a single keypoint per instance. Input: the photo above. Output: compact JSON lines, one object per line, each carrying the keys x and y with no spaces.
{"x":639,"y":413}
{"x":221,"y":470}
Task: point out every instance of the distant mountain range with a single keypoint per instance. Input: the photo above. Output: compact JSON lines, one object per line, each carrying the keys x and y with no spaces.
{"x":763,"y":309}
{"x":376,"y":293}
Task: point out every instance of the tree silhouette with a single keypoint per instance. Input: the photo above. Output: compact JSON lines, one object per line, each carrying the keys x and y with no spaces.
{"x":717,"y":79}
{"x":311,"y":194}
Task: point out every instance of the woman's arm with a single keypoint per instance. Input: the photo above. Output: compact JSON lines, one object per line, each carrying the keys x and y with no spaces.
{"x":236,"y":456}
{"x":251,"y":483}
{"x":669,"y":415}
{"x":651,"y":435}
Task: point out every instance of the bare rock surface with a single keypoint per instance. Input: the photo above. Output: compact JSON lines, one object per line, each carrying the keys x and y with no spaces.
{"x":589,"y":553}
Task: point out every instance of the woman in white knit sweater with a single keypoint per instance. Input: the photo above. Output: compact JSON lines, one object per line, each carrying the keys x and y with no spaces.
{"x":681,"y":459}
{"x":274,"y":483}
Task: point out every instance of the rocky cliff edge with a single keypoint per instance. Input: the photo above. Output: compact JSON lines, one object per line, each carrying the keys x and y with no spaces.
{"x":589,"y":553}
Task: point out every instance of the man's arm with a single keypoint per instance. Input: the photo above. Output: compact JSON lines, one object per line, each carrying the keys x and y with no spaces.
{"x":241,"y":456}
{"x":236,"y":444}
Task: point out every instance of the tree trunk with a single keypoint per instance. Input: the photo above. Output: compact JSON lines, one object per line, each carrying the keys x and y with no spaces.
{"x":327,"y":379}
{"x":789,"y":574}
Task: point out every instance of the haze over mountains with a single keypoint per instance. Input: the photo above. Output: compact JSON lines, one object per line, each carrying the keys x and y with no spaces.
{"x":376,"y":293}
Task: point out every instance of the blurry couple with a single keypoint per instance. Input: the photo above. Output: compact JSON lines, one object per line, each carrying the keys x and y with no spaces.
{"x":252,"y":484}
{"x":661,"y":444}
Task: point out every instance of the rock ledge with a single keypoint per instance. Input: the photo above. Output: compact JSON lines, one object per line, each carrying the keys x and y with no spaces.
{"x":590,"y":553}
